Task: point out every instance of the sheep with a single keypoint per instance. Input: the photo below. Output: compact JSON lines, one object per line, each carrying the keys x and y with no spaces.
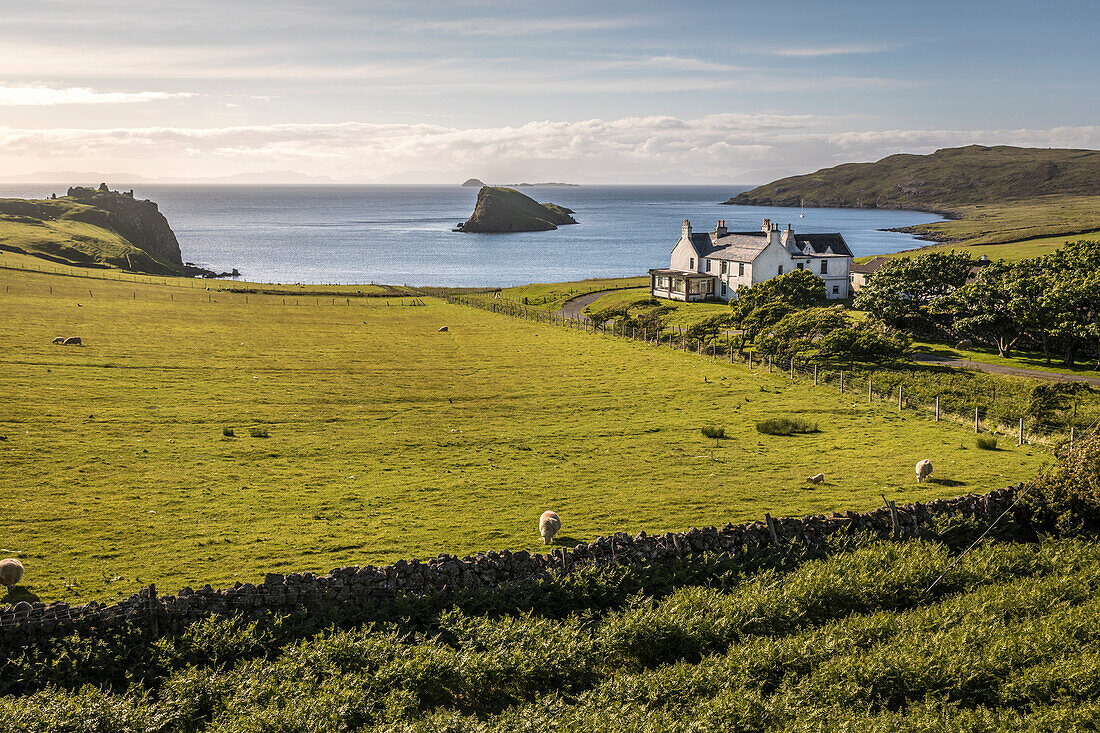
{"x":59,"y":339}
{"x":816,"y":478}
{"x":549,"y":524}
{"x":11,"y":571}
{"x":72,"y":341}
{"x":443,"y":329}
{"x":924,"y":470}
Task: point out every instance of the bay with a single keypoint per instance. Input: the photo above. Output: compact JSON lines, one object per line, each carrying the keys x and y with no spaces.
{"x":402,"y":234}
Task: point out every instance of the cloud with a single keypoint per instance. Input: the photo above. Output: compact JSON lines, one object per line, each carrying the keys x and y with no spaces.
{"x":842,"y":50}
{"x":42,"y":96}
{"x":593,"y":150}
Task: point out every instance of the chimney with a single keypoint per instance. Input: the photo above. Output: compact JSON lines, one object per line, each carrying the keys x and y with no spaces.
{"x":766,"y":226}
{"x":788,"y":240}
{"x":685,"y":230}
{"x":720,"y":229}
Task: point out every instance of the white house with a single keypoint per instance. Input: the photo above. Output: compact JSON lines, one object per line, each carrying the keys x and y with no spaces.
{"x":713,"y":265}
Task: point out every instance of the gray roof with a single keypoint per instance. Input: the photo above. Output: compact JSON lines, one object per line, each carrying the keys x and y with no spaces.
{"x":746,"y":246}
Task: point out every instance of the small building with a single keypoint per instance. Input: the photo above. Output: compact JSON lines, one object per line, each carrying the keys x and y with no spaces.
{"x":861,"y":271}
{"x":713,"y":265}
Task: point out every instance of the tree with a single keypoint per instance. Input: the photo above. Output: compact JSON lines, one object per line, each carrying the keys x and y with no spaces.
{"x":903,"y":292}
{"x":993,"y":308}
{"x":709,"y":327}
{"x":765,"y":304}
{"x":799,"y":331}
{"x":868,"y":341}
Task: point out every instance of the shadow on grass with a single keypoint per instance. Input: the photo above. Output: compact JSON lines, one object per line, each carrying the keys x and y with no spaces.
{"x":565,"y":541}
{"x":18,"y":593}
{"x":946,"y":482}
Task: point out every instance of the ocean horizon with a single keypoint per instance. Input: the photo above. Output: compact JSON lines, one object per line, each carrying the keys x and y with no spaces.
{"x":402,"y":234}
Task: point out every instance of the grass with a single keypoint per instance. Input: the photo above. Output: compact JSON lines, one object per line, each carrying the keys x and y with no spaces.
{"x":845,"y":639}
{"x":1021,"y":228}
{"x":683,"y":314}
{"x":986,"y":442}
{"x":389,"y":439}
{"x":552,"y":296}
{"x":786,"y":426}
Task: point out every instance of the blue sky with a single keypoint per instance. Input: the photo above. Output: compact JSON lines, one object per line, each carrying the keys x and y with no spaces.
{"x":578,"y":91}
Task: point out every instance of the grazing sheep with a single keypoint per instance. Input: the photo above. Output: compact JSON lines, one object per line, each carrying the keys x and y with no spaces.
{"x":72,"y":341}
{"x":59,"y":339}
{"x":549,"y":524}
{"x":11,"y":571}
{"x":816,"y":478}
{"x":924,"y":470}
{"x":443,"y":329}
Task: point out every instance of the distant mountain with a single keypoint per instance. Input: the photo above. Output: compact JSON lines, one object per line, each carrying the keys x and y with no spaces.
{"x":950,"y":177}
{"x":255,"y":179}
{"x":501,"y":210}
{"x":477,"y":183}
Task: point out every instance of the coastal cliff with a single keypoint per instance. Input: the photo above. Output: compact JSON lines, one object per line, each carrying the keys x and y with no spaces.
{"x":94,"y":227}
{"x":503,"y":210}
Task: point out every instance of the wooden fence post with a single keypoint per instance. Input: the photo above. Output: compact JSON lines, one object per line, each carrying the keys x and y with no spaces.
{"x":1020,"y":441}
{"x":769,"y":364}
{"x":815,"y":375}
{"x":842,"y":381}
{"x":937,"y":408}
{"x":771,"y":528}
{"x":975,"y":419}
{"x":893,"y":515}
{"x":792,"y":367}
{"x":899,"y":398}
{"x":750,"y":360}
{"x":869,"y":389}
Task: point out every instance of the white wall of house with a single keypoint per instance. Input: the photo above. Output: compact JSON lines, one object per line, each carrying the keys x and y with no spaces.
{"x":683,"y":255}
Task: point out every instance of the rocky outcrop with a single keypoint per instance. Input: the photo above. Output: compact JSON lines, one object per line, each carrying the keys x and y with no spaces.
{"x":503,"y":210}
{"x":140,"y":222}
{"x":472,"y":183}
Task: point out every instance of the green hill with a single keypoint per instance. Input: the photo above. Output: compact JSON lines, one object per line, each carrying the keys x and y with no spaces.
{"x":946,"y":179}
{"x":95,"y":228}
{"x":503,"y":210}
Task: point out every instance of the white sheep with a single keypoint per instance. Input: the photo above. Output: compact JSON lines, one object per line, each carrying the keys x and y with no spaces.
{"x":11,"y":571}
{"x":549,"y":524}
{"x":816,"y":478}
{"x":924,"y":470}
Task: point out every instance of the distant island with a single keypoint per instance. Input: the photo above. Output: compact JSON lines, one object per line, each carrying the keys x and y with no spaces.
{"x":501,"y":210}
{"x":998,"y":193}
{"x":476,"y":183}
{"x":95,"y":227}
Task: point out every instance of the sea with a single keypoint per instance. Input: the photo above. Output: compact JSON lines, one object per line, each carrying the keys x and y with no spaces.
{"x":404,"y":234}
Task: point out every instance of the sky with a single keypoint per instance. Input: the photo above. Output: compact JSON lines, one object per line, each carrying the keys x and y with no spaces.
{"x":582,"y":92}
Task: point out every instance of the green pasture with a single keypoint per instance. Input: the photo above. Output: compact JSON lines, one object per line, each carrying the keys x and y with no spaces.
{"x":1018,"y":359}
{"x":1009,"y":251}
{"x":552,"y":296}
{"x":1042,"y":217}
{"x":683,"y":314}
{"x":390,"y":439}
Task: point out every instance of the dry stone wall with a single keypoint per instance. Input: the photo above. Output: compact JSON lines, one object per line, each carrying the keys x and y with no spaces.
{"x":378,"y":587}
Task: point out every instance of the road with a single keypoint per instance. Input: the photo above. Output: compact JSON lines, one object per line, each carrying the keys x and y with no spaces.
{"x":998,"y":369}
{"x":572,"y":308}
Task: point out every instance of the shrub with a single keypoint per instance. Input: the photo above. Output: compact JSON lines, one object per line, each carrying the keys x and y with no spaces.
{"x":986,"y":442}
{"x":258,"y":432}
{"x":228,"y":432}
{"x":714,"y":431}
{"x":1067,"y":499}
{"x":785,"y":426}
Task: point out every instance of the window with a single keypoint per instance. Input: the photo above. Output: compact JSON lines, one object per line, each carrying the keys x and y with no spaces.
{"x":741,"y":269}
{"x":781,"y":269}
{"x":836,"y":290}
{"x":723,"y":289}
{"x":692,"y":265}
{"x":799,"y":265}
{"x":725,"y":267}
{"x":708,"y":266}
{"x":824,"y":267}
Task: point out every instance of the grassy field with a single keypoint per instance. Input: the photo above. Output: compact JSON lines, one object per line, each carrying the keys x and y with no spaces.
{"x":552,"y":296}
{"x":1009,"y":251}
{"x":682,"y":315}
{"x":1019,"y":359}
{"x":842,"y":639}
{"x":1016,"y":221}
{"x":388,"y":439}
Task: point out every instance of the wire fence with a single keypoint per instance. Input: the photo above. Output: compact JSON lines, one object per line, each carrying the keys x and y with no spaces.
{"x":986,"y":406}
